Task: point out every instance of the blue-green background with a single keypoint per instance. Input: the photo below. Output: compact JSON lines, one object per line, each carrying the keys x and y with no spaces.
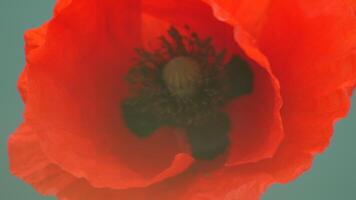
{"x":332,"y":177}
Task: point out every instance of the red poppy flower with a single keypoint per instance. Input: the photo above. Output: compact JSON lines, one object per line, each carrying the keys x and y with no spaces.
{"x":245,"y":109}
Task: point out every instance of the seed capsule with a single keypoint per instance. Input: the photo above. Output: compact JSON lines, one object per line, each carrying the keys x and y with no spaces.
{"x":182,"y":76}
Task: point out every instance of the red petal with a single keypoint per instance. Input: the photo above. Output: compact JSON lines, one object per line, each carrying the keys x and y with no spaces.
{"x":28,"y":162}
{"x":222,"y":186}
{"x":34,"y":38}
{"x":314,"y":65}
{"x":257,"y":129}
{"x":73,"y":86}
{"x":310,"y":45}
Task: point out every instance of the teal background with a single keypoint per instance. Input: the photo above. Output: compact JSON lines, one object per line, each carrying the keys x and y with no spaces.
{"x":332,"y":177}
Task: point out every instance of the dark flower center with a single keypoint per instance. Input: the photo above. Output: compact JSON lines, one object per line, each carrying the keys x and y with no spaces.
{"x":185,"y":84}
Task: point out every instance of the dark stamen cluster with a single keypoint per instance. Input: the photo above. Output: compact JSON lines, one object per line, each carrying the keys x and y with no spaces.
{"x":152,"y":103}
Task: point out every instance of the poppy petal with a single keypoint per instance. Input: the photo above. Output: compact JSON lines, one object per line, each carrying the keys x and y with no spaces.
{"x":324,"y":70}
{"x":310,"y":45}
{"x":70,"y":102}
{"x":31,"y":165}
{"x":317,"y":55}
{"x":256,"y":124}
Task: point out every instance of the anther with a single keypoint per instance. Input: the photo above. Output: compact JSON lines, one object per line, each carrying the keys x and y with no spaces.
{"x":185,"y":84}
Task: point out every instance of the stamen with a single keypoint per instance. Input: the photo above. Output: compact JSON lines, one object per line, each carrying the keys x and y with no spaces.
{"x":186,"y":84}
{"x":210,"y":138}
{"x":140,"y":121}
